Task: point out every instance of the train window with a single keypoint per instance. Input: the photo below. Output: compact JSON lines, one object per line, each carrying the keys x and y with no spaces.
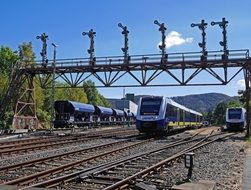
{"x":193,"y":117}
{"x":171,"y":111}
{"x":187,"y":116}
{"x":182,"y":115}
{"x":150,"y":106}
{"x":234,"y":113}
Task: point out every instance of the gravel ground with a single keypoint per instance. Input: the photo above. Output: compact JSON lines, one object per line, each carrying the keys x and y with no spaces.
{"x":221,"y":162}
{"x":9,"y":160}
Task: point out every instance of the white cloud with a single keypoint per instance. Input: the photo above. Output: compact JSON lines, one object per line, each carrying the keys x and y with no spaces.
{"x":174,"y":39}
{"x":241,"y":84}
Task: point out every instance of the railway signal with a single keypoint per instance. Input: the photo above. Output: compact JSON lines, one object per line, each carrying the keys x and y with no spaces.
{"x":43,"y":37}
{"x":223,"y":43}
{"x":91,"y":34}
{"x":189,"y":162}
{"x":202,"y":26}
{"x":162,"y":47}
{"x":125,"y":32}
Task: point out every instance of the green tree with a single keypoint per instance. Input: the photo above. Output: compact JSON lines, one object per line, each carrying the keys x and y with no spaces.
{"x":104,"y":101}
{"x":209,"y":116}
{"x":8,"y":58}
{"x":242,"y":96}
{"x":26,"y":53}
{"x":219,"y":113}
{"x":91,"y":92}
{"x":234,"y":103}
{"x":93,"y":96}
{"x":64,"y":92}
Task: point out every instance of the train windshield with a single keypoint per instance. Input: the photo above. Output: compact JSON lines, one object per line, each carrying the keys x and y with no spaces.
{"x":150,"y":106}
{"x":234,"y":113}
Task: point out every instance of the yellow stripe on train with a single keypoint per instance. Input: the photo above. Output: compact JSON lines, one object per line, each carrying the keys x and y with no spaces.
{"x":183,"y":124}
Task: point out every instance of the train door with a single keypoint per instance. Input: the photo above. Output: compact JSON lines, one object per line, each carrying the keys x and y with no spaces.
{"x":178,"y":116}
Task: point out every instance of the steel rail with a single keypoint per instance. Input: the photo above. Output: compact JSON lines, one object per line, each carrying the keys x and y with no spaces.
{"x":69,"y":177}
{"x":5,"y":168}
{"x":32,"y":140}
{"x":24,"y":142}
{"x":54,"y":142}
{"x":160,"y":164}
{"x":64,"y":167}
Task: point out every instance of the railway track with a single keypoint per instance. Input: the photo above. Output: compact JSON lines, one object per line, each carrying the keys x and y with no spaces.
{"x":29,"y":145}
{"x":38,"y":171}
{"x":124,"y":172}
{"x":13,"y":174}
{"x":29,"y":138}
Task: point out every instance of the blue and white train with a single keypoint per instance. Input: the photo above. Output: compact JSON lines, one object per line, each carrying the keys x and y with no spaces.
{"x":70,"y":113}
{"x":236,"y":119}
{"x":157,"y":114}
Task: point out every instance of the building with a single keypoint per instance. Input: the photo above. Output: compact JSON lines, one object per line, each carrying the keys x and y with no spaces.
{"x":124,"y":105}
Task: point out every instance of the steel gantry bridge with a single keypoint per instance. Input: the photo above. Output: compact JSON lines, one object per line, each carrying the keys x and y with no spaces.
{"x":172,"y":69}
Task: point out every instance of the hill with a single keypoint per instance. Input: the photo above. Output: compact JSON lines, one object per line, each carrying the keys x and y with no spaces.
{"x":201,"y":102}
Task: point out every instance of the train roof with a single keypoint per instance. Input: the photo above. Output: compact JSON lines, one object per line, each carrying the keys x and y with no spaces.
{"x":146,"y":97}
{"x":87,"y":108}
{"x":117,"y":112}
{"x":72,"y":106}
{"x":170,"y":101}
{"x":103,"y":111}
{"x":195,"y":112}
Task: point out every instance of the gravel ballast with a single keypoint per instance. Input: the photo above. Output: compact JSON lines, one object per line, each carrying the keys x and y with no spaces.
{"x":221,"y":162}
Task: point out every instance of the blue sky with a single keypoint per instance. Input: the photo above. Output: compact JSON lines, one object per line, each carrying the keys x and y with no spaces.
{"x":65,"y":20}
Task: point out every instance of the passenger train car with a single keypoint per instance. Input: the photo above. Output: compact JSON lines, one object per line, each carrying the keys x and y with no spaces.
{"x":70,"y":113}
{"x":157,"y":114}
{"x":236,"y":119}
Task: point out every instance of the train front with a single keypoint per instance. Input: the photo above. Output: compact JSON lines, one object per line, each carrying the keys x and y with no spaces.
{"x":236,"y":118}
{"x":151,"y":115}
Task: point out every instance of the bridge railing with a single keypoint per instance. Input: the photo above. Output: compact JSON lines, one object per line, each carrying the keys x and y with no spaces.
{"x":145,"y":59}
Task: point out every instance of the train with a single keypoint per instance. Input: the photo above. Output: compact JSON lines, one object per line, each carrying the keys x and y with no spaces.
{"x":157,"y":114}
{"x":236,"y":119}
{"x":75,"y":114}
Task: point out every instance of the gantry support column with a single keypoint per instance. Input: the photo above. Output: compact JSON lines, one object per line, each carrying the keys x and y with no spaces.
{"x":25,"y":112}
{"x":247,"y":75}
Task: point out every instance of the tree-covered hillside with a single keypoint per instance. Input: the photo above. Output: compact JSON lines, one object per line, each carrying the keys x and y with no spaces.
{"x":201,"y":102}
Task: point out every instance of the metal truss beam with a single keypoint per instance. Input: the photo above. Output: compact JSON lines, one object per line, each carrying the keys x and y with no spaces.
{"x":180,"y":69}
